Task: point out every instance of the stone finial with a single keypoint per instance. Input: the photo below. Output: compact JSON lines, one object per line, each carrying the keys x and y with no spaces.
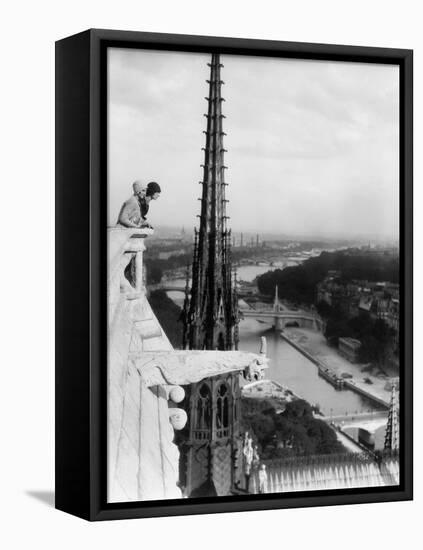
{"x":175,"y":393}
{"x":178,"y":418}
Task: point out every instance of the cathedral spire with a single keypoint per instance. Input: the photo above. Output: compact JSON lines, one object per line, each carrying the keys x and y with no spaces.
{"x":210,"y":318}
{"x":392,"y":427}
{"x":211,"y":322}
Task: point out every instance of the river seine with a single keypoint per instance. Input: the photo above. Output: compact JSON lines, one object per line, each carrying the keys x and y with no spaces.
{"x":287,"y":365}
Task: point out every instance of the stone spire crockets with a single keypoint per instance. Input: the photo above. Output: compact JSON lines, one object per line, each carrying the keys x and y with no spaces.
{"x":210,"y":457}
{"x":392,"y":427}
{"x":211,"y":313}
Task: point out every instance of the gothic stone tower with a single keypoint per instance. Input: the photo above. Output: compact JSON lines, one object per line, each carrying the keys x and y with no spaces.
{"x":210,"y":317}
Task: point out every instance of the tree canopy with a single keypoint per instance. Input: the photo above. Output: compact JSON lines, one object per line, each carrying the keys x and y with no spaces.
{"x":295,"y":431}
{"x":298,"y":283}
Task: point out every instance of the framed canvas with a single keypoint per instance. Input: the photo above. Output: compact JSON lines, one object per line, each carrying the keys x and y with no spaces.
{"x":234,"y":290}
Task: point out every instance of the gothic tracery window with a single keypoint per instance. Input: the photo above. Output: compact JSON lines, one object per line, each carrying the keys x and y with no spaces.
{"x":203,"y":412}
{"x":222,"y":411}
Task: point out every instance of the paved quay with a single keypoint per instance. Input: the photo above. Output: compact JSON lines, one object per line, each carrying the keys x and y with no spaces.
{"x":314,"y":343}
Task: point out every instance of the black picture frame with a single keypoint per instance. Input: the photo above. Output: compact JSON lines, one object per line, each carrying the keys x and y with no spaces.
{"x":81,"y":337}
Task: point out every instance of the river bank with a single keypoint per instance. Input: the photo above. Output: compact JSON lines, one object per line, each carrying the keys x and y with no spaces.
{"x":287,"y":365}
{"x":325,"y":357}
{"x":294,"y":370}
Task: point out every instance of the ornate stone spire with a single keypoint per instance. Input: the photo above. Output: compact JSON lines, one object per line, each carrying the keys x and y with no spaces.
{"x":209,"y":462}
{"x":210,"y":317}
{"x":392,"y":427}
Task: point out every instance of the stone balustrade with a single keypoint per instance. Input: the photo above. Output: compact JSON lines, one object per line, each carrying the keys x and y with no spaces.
{"x":125,"y":245}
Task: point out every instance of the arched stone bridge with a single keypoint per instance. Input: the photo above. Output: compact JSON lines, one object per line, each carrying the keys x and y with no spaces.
{"x":356,"y":419}
{"x":366,"y":428}
{"x":279,"y":316}
{"x":178,"y":288}
{"x":284,"y":318}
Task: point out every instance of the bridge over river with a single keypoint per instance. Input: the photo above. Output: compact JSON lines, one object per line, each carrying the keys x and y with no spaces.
{"x":285,"y":318}
{"x":279,"y":316}
{"x":367,"y":429}
{"x":357,"y":419}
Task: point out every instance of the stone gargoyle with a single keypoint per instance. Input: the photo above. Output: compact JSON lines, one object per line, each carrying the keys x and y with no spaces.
{"x":183,"y":367}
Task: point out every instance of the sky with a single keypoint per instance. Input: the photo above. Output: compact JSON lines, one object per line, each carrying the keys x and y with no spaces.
{"x":313,"y":146}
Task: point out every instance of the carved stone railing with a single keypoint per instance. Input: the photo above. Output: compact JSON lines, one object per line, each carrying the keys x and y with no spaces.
{"x":125,"y":245}
{"x":320,"y":472}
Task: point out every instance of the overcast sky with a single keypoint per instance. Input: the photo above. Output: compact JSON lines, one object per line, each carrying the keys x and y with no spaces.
{"x":312,"y":145}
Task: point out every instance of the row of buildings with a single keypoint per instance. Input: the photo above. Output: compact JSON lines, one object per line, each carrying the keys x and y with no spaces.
{"x":380,"y":300}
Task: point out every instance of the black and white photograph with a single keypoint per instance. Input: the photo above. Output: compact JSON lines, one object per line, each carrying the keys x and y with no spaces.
{"x":253,"y":275}
{"x":210,"y":242}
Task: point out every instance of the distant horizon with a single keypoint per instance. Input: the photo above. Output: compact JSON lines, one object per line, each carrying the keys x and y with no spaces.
{"x":364,"y":239}
{"x":313,"y":146}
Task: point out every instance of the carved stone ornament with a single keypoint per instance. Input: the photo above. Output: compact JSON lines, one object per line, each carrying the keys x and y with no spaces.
{"x":190,"y":366}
